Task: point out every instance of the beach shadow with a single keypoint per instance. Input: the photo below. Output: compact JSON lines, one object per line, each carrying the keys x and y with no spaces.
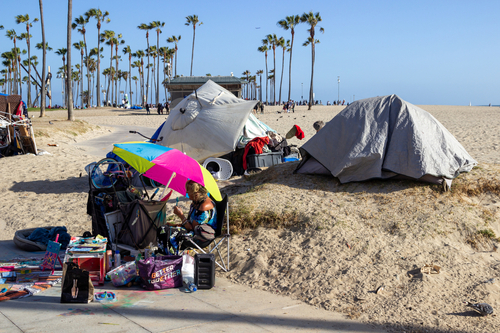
{"x":470,"y":313}
{"x":283,"y":174}
{"x":65,"y":186}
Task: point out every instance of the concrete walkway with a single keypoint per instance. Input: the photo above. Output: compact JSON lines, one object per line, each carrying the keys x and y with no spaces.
{"x":225,"y":308}
{"x":102,"y":145}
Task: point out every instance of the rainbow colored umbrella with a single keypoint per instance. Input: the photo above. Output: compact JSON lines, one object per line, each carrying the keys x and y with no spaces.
{"x":168,"y":166}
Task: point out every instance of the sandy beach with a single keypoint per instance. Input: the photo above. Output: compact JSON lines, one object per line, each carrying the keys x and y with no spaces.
{"x":344,"y":242}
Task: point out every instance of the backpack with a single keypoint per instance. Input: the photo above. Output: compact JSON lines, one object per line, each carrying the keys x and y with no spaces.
{"x":76,"y":285}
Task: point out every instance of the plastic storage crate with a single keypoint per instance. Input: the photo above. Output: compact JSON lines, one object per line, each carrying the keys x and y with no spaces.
{"x":263,"y":160}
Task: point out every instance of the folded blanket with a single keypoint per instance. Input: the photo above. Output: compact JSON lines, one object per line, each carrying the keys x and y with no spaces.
{"x":43,"y":236}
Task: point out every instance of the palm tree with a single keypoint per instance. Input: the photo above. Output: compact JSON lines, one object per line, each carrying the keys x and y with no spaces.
{"x":271,"y":77}
{"x":80,"y":47}
{"x":152,"y":52}
{"x":158,"y":25}
{"x":135,"y":79}
{"x":175,"y":40}
{"x":118,"y":41}
{"x":26,"y":19}
{"x":9,"y":63}
{"x":259,"y":73}
{"x":11,"y":34}
{"x":93,"y":68}
{"x":192,"y":20}
{"x":140,"y":54}
{"x":286,"y":47}
{"x":100,"y":17}
{"x":264,"y":49}
{"x":92,"y":65}
{"x":137,"y":64}
{"x":127,"y":50}
{"x":62,"y":52}
{"x":290,"y":22}
{"x":272,"y":40}
{"x":146,"y":28}
{"x":71,"y":116}
{"x":312,"y":20}
{"x":44,"y":61}
{"x":81,"y":21}
{"x":108,"y":36}
{"x":247,"y":74}
{"x":165,"y":52}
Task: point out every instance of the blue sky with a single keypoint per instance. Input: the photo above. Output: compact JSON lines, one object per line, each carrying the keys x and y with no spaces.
{"x":427,"y":52}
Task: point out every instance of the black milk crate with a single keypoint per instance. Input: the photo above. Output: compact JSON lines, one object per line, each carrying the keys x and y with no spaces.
{"x":204,"y":275}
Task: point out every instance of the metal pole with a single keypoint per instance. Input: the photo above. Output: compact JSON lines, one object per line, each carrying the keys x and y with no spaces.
{"x":338,"y":93}
{"x":302,"y":94}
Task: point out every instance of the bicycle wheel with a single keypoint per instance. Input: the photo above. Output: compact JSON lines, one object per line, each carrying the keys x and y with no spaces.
{"x":102,"y":174}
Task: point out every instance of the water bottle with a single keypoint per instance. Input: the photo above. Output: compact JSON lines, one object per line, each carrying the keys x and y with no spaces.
{"x":188,"y":273}
{"x":189,"y":285}
{"x":118,"y":259}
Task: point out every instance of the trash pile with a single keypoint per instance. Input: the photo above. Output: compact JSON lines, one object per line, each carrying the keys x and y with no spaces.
{"x":16,"y":131}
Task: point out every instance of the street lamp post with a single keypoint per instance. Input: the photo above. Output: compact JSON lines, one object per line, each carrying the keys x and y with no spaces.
{"x":338,"y":91}
{"x":302,"y":93}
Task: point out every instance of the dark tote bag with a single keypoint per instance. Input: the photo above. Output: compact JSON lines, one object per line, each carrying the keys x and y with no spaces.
{"x":76,"y":286}
{"x":161,"y":272}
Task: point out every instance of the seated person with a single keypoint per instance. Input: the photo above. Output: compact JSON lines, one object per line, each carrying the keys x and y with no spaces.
{"x":318,"y":125}
{"x":201,"y":220}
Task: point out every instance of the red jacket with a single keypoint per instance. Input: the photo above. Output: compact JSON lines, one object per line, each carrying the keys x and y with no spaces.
{"x":257,"y":144}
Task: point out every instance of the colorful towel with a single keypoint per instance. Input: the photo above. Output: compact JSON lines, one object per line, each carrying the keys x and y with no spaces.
{"x":28,"y":289}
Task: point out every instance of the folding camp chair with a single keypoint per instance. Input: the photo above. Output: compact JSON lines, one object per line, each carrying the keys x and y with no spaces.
{"x":215,"y":245}
{"x":141,"y":222}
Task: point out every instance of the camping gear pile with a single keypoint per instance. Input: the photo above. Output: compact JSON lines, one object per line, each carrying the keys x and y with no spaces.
{"x":16,"y":132}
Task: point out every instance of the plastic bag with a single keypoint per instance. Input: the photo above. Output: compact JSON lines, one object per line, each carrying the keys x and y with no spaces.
{"x":160,"y":272}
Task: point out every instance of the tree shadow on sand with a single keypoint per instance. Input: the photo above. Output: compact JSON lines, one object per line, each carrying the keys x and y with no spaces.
{"x":64,"y":186}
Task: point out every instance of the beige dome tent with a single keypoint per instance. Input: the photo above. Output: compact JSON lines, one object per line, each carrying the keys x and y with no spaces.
{"x":210,"y":122}
{"x":385,"y":137}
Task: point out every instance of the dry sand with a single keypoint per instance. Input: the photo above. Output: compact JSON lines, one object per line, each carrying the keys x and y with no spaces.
{"x":347,"y":241}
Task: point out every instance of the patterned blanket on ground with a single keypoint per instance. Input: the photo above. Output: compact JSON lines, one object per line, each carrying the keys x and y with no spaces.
{"x":21,"y":290}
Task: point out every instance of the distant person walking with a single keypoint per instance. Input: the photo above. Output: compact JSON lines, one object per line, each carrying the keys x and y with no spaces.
{"x":147,"y":109}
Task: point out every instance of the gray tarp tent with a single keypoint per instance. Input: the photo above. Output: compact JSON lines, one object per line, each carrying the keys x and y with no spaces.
{"x":385,"y":137}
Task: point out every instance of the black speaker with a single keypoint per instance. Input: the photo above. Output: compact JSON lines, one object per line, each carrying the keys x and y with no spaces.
{"x":204,"y":274}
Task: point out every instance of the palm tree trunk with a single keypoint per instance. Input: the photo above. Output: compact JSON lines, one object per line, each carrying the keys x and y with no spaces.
{"x":260,"y":88}
{"x":282,"y":70}
{"x":44,"y":62}
{"x":130,"y":77}
{"x":290,"y":68}
{"x":267,"y":79}
{"x":81,"y":80}
{"x":98,"y":85}
{"x":164,"y":75}
{"x":175,"y":59}
{"x":29,"y":66}
{"x":274,"y":75}
{"x":109,"y":78}
{"x":158,"y":68}
{"x":117,"y":78}
{"x":192,"y":50}
{"x":88,"y":76}
{"x":71,"y":116}
{"x":312,"y":76}
{"x":147,"y":83}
